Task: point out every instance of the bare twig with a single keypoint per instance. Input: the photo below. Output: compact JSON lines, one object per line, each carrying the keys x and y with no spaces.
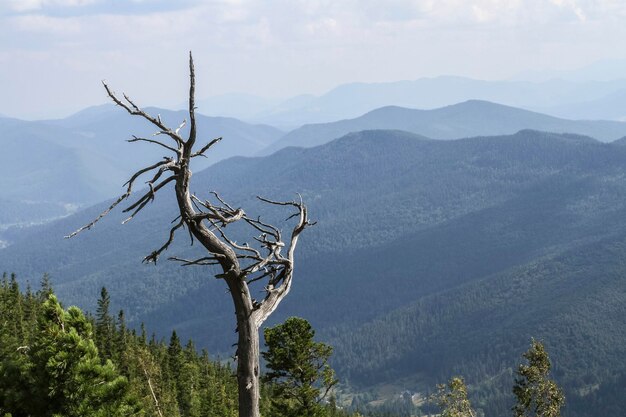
{"x":156,"y":142}
{"x":136,"y":111}
{"x":146,"y":198}
{"x":205,"y":148}
{"x":206,"y":260}
{"x":124,"y":196}
{"x":154,"y":256}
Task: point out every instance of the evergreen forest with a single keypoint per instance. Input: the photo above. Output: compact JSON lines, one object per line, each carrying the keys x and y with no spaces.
{"x":57,"y":361}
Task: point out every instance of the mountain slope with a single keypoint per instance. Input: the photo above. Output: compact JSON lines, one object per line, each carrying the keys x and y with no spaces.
{"x":38,"y":165}
{"x":105,"y":129}
{"x":611,"y":107}
{"x":84,"y":159}
{"x":471,"y":118}
{"x":459,"y":235}
{"x":351,"y":186}
{"x":572,"y":300}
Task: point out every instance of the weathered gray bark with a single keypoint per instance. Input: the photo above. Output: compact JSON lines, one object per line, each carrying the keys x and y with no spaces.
{"x":248,"y":367}
{"x":206,"y":221}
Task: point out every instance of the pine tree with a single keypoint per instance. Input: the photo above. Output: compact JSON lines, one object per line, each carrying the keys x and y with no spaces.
{"x":62,"y":374}
{"x":104,"y":325}
{"x":188,"y":385}
{"x":121,"y":347}
{"x":158,"y":398}
{"x":452,"y":399}
{"x":537,"y":395}
{"x":143,"y":336}
{"x":175,"y":357}
{"x":46,"y":288}
{"x":298,"y":367}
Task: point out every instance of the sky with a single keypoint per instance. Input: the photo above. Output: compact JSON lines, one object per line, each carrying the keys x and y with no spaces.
{"x":54,"y":53}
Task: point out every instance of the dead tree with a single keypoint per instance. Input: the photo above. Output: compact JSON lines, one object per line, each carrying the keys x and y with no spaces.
{"x":269,"y":259}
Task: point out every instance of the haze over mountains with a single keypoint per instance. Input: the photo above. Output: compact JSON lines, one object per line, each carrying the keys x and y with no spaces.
{"x":83,"y":158}
{"x":558,"y":97}
{"x":58,"y":165}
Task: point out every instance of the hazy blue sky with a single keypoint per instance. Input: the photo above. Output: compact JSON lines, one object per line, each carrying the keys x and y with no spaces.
{"x":53,"y":53}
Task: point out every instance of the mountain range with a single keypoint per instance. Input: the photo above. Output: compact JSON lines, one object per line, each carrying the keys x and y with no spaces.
{"x":83,"y":159}
{"x":556,"y":96}
{"x":430,"y":258}
{"x":470,"y":118}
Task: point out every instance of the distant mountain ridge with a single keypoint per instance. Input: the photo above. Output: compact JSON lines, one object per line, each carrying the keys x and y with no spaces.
{"x":84,"y":158}
{"x":351,"y":100}
{"x":470,"y":118}
{"x":612,"y":106}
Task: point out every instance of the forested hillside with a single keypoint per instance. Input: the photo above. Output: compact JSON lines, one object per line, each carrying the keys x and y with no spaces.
{"x":573,"y":300}
{"x":430,"y":258}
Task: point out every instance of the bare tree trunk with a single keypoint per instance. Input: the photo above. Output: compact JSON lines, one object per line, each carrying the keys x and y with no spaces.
{"x":247,"y":348}
{"x":248,"y":368}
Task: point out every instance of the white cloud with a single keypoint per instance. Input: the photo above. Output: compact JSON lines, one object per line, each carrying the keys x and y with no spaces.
{"x":282,"y":47}
{"x":46,"y":25}
{"x":35,"y":5}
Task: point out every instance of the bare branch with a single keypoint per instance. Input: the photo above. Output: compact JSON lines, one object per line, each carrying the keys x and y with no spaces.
{"x":154,"y":397}
{"x":137,"y":139}
{"x":207,"y":260}
{"x":205,"y":148}
{"x":192,"y":106}
{"x":267,"y":273}
{"x":100,"y":216}
{"x":163,"y":163}
{"x":180,"y":126}
{"x":221,"y":200}
{"x":154,"y":256}
{"x":136,"y":111}
{"x":280,"y":203}
{"x":257,"y":254}
{"x":157,"y":175}
{"x":276,"y":294}
{"x":328,"y":388}
{"x":263,"y":227}
{"x":146,"y":198}
{"x":129,"y":183}
{"x":150,"y":194}
{"x":224,"y":217}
